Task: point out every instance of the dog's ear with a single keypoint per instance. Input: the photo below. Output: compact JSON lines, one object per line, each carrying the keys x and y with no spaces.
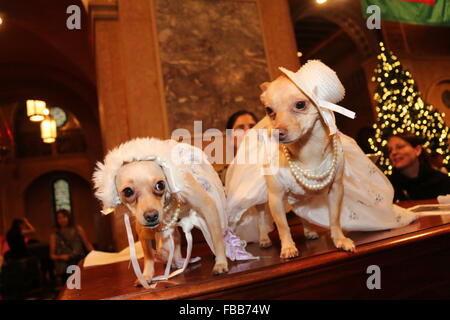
{"x":263,"y":86}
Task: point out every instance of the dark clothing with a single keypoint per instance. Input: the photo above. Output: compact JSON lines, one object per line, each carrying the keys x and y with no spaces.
{"x":429,"y":184}
{"x":16,"y":242}
{"x":68,"y":241}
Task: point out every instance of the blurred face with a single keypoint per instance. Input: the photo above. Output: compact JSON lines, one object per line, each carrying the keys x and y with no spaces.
{"x":402,"y":154}
{"x":242,"y":124}
{"x":62,"y":220}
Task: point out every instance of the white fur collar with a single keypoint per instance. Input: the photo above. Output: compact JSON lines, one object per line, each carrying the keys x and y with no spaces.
{"x":169,"y":154}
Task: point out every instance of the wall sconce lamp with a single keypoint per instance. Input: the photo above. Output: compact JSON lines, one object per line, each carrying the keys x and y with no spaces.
{"x":36,"y":110}
{"x":48,"y":130}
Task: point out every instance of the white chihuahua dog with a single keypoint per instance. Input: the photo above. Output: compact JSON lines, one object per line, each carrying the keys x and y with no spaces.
{"x":323,"y":174}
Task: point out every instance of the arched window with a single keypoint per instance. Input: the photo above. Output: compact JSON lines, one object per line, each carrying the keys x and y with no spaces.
{"x":61,"y":195}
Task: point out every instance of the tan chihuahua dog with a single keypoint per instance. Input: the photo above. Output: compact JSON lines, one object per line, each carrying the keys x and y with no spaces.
{"x":142,"y":187}
{"x":307,"y":139}
{"x":320,"y":172}
{"x":144,"y":175}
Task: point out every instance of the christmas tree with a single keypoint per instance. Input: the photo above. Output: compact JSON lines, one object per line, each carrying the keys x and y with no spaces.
{"x":400,"y":109}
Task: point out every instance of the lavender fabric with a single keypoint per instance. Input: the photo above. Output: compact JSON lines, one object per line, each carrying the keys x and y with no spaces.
{"x":235,"y":247}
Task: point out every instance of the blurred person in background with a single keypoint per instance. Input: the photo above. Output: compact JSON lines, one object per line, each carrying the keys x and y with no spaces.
{"x":16,"y":238}
{"x":68,"y":244}
{"x":239,"y":123}
{"x":413,"y":176}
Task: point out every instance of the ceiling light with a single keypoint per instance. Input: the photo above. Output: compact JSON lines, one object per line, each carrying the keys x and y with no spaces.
{"x":48,"y":130}
{"x":36,"y":110}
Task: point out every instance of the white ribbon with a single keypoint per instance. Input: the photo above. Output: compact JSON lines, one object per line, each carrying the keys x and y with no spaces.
{"x":337,"y":108}
{"x":134,"y":261}
{"x":167,"y":275}
{"x":430,"y":209}
{"x":330,"y":121}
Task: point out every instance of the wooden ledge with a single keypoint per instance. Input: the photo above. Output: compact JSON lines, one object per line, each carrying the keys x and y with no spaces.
{"x":404,"y":255}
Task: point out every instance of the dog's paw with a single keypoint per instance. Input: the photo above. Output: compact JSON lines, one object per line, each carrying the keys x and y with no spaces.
{"x":220,"y":268}
{"x":311,"y":234}
{"x":138,"y":284}
{"x":289,"y":252}
{"x":344,"y":244}
{"x":265,"y":242}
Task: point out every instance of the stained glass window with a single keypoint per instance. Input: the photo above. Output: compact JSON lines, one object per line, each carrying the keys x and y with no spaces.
{"x":61,"y":195}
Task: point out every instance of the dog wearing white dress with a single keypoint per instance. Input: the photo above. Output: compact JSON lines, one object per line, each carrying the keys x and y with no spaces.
{"x":322,"y":173}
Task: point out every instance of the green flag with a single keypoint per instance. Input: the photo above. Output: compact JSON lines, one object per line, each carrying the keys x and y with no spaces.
{"x":424,"y":12}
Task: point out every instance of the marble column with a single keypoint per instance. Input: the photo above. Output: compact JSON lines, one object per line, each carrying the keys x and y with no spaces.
{"x":129,"y":80}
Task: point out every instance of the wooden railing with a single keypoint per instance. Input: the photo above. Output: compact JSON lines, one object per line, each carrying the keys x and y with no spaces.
{"x":414,"y":262}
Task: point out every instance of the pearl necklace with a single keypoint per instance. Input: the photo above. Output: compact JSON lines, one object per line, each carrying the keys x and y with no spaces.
{"x":309,"y":179}
{"x":170,"y":223}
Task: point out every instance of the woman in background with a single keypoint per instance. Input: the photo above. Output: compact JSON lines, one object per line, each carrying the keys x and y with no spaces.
{"x":240,"y":122}
{"x":413,"y":176}
{"x":68,"y":244}
{"x":237,"y":126}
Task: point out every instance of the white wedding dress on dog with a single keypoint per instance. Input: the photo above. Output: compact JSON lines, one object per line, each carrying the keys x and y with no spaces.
{"x":367,"y":201}
{"x":177,"y":160}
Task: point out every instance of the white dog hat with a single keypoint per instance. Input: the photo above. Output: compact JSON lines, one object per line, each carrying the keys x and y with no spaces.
{"x":320,"y":84}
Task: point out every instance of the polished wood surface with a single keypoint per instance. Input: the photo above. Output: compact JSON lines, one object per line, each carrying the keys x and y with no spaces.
{"x":414,"y":262}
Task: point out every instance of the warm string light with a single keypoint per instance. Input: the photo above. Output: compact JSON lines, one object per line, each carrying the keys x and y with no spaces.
{"x":400,"y":109}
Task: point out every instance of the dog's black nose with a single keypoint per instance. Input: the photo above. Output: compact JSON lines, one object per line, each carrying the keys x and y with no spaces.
{"x":151,"y":216}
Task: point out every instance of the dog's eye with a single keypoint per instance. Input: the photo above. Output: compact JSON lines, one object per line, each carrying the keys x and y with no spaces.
{"x":300,"y":105}
{"x":160,"y":186}
{"x":128,"y":192}
{"x":269,"y":111}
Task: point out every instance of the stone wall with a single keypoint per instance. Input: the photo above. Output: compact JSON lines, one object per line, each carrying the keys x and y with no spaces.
{"x":213,"y":60}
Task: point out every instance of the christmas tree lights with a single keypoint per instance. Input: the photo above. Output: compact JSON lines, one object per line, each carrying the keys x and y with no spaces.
{"x":400,"y":109}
